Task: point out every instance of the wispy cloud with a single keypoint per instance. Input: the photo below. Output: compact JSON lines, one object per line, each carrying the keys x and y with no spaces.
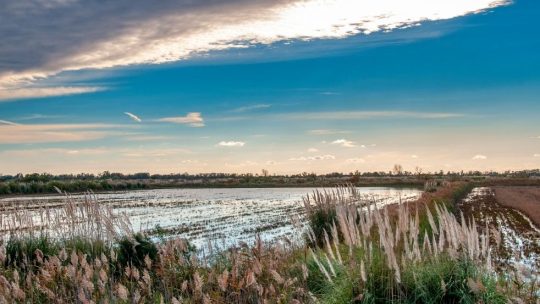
{"x":40,"y":133}
{"x":231,"y":144}
{"x":363,"y":115}
{"x":312,"y":150}
{"x":8,"y":123}
{"x":327,"y":132}
{"x":312,"y":158}
{"x":344,"y":143}
{"x":140,"y":137}
{"x":141,"y":33}
{"x":55,"y":151}
{"x":251,"y":108}
{"x":479,"y":157}
{"x":133,"y":116}
{"x":536,"y":155}
{"x":9,"y":94}
{"x":39,"y":116}
{"x":193,"y":119}
{"x":355,"y":160}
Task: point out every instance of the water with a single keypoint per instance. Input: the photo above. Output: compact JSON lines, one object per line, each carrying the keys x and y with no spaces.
{"x":222,"y":216}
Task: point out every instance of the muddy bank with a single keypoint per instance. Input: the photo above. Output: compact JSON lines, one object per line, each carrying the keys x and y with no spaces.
{"x":514,"y":239}
{"x":524,"y":199}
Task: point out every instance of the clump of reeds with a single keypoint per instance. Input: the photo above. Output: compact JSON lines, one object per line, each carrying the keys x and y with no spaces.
{"x":85,"y":253}
{"x":393,"y":257}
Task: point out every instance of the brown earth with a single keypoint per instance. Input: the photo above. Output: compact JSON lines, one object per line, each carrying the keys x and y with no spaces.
{"x":524,"y":199}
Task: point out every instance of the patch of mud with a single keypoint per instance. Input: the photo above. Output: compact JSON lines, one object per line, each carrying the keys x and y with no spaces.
{"x":513,"y":236}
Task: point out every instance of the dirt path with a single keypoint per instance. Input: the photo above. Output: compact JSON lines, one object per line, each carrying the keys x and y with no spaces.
{"x":515,"y":239}
{"x":524,"y":199}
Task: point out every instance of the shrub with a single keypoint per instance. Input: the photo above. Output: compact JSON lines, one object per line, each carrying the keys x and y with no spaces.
{"x":133,"y":250}
{"x":22,"y":252}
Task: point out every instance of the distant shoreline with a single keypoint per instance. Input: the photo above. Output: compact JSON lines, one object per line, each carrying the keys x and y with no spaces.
{"x":18,"y":188}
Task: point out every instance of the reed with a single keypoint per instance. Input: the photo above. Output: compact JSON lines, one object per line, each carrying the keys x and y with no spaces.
{"x":363,"y":253}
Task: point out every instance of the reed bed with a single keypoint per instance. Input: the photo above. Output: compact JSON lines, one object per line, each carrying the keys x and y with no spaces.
{"x":355,"y":252}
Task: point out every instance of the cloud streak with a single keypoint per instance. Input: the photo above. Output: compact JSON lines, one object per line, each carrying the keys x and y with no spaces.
{"x":51,"y":133}
{"x":231,"y":144}
{"x":13,"y":93}
{"x":7,"y":123}
{"x":193,"y":119}
{"x":313,"y":158}
{"x":327,"y":132}
{"x":251,"y":108}
{"x":139,"y":32}
{"x":133,"y":116}
{"x":364,"y":115}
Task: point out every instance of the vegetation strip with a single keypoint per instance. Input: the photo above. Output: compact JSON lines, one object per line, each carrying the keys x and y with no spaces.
{"x":355,"y":252}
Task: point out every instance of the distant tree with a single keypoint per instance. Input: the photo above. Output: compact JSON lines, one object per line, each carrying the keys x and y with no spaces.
{"x":265,"y":172}
{"x":397,"y":169}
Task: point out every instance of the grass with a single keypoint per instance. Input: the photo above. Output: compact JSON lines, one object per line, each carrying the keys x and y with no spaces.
{"x":357,"y":254}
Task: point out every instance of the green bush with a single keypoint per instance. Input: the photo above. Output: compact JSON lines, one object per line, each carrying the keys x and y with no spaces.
{"x":133,"y":250}
{"x":21,"y":252}
{"x":321,"y":220}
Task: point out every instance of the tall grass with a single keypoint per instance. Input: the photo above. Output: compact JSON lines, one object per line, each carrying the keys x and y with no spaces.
{"x":356,"y":253}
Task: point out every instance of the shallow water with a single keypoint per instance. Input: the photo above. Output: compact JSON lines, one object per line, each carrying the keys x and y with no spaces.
{"x":222,"y":216}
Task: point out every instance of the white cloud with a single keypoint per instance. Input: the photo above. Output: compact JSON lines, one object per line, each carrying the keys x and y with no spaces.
{"x":231,"y":144}
{"x":193,"y":119}
{"x":141,"y":33}
{"x":536,"y":155}
{"x":479,"y":157}
{"x":133,"y":116}
{"x":312,"y":150}
{"x":414,"y":156}
{"x":356,"y":160}
{"x":344,"y":143}
{"x":311,"y":158}
{"x":7,"y":94}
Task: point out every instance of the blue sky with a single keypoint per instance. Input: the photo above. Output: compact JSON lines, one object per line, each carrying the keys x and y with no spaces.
{"x":457,"y":92}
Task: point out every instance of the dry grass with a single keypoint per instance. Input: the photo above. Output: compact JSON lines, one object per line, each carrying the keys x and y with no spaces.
{"x":367,"y":255}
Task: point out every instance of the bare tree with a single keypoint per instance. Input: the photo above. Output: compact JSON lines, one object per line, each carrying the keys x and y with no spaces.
{"x":397,"y":170}
{"x":265,"y":172}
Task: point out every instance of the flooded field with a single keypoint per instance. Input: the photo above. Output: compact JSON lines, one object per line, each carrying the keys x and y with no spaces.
{"x":223,"y":216}
{"x":514,"y":237}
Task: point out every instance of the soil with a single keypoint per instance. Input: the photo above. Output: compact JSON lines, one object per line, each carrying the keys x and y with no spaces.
{"x":513,"y":237}
{"x":524,"y":199}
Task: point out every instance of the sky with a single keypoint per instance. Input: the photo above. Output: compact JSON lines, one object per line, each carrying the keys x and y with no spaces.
{"x":289,"y":86}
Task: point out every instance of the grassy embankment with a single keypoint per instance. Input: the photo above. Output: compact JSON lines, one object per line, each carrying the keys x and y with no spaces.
{"x":23,"y":187}
{"x":414,"y":253}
